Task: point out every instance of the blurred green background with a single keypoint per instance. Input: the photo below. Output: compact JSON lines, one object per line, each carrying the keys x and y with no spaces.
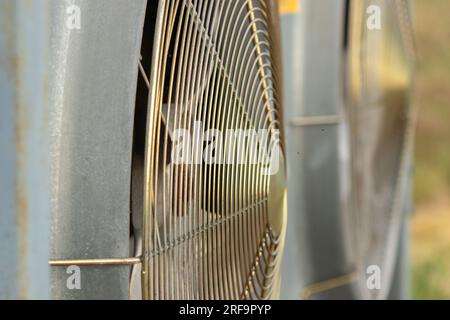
{"x":430,"y":223}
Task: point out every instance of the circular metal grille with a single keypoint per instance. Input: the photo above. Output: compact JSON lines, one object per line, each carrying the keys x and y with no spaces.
{"x":380,"y":123}
{"x":213,"y":230}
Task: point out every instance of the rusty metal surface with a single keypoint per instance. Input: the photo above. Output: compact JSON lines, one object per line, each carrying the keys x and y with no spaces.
{"x":24,"y":163}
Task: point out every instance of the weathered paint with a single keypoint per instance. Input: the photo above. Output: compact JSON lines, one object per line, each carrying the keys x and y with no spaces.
{"x":8,"y":233}
{"x":24,"y":196}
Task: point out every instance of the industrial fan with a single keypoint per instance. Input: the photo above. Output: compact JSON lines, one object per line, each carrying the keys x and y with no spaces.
{"x":380,"y":126}
{"x":207,"y":172}
{"x":349,"y":139}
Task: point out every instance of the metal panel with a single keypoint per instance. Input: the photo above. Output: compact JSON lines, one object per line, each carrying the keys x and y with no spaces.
{"x":24,"y":187}
{"x":312,"y":42}
{"x":93,"y":88}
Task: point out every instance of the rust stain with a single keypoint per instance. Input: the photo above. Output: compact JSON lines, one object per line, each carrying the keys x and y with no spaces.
{"x":21,"y":188}
{"x":13,"y":65}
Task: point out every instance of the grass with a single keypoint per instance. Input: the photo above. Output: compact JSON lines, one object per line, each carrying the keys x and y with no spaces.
{"x":431,"y":222}
{"x":429,"y":277}
{"x":431,"y":252}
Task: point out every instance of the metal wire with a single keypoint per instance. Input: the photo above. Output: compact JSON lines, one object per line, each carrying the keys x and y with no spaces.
{"x":328,"y":284}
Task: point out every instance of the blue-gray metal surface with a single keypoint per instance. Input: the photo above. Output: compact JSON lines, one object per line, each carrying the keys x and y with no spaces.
{"x":24,"y":161}
{"x":312,"y":41}
{"x":92,"y":92}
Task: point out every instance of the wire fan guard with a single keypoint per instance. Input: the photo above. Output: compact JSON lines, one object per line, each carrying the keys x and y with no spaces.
{"x":213,"y":230}
{"x":381,"y":123}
